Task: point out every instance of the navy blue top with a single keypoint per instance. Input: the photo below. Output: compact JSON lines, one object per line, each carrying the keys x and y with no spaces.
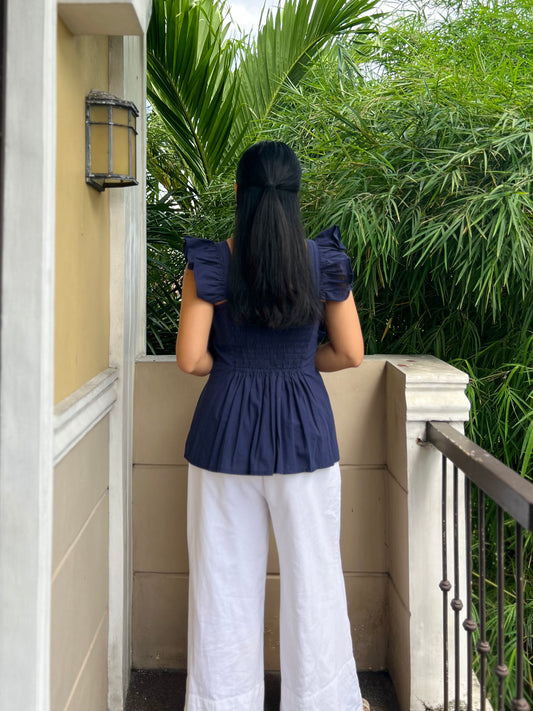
{"x":264,"y":408}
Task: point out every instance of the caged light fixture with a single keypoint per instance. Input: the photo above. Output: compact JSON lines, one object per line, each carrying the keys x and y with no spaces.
{"x":110,"y":141}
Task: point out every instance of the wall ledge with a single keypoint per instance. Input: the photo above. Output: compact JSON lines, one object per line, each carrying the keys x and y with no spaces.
{"x":434,"y":390}
{"x":156,"y":359}
{"x":78,"y":413}
{"x":105,"y":17}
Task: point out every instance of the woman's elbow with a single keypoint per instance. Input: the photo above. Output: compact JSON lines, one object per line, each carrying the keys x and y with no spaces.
{"x":185,"y":365}
{"x":355,"y":356}
{"x":354,"y":360}
{"x":186,"y":362}
{"x":193,"y":365}
{"x":188,"y":366}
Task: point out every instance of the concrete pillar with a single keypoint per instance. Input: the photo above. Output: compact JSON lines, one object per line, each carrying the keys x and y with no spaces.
{"x":27,"y":355}
{"x":420,"y":389}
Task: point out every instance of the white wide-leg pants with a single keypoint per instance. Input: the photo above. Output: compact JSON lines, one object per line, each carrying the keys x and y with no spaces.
{"x":228,"y":532}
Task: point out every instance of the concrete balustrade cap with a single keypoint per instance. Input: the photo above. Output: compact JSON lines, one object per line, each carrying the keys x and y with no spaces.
{"x":434,"y":390}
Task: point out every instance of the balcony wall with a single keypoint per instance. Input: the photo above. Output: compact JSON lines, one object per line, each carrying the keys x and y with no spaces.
{"x":80,"y":563}
{"x":380,"y":409}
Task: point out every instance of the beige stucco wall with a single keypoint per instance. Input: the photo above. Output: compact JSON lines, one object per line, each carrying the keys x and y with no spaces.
{"x":164,"y":402}
{"x":82,"y":221}
{"x":80,"y":556}
{"x":80,"y":563}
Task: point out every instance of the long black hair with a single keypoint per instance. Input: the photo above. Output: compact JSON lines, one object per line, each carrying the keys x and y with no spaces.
{"x":271,"y":283}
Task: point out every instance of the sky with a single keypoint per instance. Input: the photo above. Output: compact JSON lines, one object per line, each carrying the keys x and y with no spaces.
{"x":246,"y":14}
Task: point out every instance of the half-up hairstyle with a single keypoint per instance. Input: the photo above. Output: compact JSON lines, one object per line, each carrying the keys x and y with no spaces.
{"x":270,"y":282}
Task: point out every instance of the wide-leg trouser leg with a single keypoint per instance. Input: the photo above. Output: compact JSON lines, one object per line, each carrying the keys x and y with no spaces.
{"x":227,"y":532}
{"x":318,"y":670}
{"x":228,"y":526}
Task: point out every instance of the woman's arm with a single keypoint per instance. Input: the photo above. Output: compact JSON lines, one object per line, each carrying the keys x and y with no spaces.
{"x":345,"y":348}
{"x":196,"y":316}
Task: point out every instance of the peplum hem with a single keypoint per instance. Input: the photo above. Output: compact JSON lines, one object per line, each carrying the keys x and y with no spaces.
{"x":263,"y":423}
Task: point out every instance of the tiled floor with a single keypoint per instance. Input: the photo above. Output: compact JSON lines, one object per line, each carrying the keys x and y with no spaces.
{"x":165,"y":691}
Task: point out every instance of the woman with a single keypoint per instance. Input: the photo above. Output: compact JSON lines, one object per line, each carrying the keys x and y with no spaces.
{"x":262,"y":446}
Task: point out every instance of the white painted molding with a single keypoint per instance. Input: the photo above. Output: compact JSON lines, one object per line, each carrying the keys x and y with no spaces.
{"x":127,"y":77}
{"x":156,"y":359}
{"x":434,"y":390}
{"x":105,"y":17}
{"x":27,"y":355}
{"x":78,"y":413}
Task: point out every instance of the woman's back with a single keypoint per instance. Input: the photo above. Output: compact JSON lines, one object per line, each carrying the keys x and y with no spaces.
{"x":250,"y":320}
{"x":264,"y":409}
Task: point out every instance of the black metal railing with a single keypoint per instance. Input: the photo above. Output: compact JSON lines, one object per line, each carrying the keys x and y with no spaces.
{"x":513,"y":500}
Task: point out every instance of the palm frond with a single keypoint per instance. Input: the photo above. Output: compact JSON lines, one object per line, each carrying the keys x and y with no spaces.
{"x":288,"y":41}
{"x":192,"y":82}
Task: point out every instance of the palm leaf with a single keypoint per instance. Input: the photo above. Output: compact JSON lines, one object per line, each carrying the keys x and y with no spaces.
{"x":211,"y":90}
{"x":288,"y":42}
{"x":192,"y":83}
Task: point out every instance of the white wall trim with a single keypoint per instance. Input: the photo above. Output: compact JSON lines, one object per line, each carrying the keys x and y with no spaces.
{"x":127,"y":77}
{"x":27,"y":356}
{"x":78,"y":413}
{"x":156,"y":359}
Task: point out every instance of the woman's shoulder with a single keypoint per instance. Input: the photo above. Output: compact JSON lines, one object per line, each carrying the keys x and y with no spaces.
{"x":201,"y":248}
{"x":209,"y":261}
{"x":329,"y":240}
{"x":335,"y":270}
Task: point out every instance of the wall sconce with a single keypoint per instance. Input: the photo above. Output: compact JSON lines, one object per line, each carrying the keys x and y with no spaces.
{"x":110,"y":141}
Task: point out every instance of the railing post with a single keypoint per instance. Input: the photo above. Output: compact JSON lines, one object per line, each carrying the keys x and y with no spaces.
{"x":421,"y":388}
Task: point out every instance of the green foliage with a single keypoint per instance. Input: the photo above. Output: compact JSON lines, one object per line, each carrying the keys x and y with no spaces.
{"x":305,"y":29}
{"x":191,"y":83}
{"x":426,"y":163}
{"x":423,"y":156}
{"x":165,"y":267}
{"x":501,"y":394}
{"x":420,"y":147}
{"x":211,"y":90}
{"x":430,"y":179}
{"x":209,"y":93}
{"x":509,"y":627}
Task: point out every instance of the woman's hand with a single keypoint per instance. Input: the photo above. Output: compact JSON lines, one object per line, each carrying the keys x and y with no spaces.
{"x":196,"y":317}
{"x":345,"y":348}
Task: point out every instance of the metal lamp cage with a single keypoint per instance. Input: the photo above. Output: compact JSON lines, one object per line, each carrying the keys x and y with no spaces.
{"x":110,"y":141}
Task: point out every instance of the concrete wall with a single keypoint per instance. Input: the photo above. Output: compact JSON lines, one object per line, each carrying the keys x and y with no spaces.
{"x":164,"y":402}
{"x":398,"y":661}
{"x":391,"y":516}
{"x":80,"y":553}
{"x":419,"y":389}
{"x":80,"y":575}
{"x":67,"y":315}
{"x":99,"y":262}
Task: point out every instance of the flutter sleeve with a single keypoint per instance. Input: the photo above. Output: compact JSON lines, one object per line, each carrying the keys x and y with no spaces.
{"x":204,"y":258}
{"x":336,"y":276}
